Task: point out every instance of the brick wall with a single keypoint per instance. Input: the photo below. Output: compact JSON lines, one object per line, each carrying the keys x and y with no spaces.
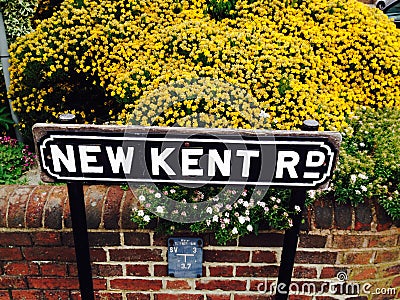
{"x":37,"y":259}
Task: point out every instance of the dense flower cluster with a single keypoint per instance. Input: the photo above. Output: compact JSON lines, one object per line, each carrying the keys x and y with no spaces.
{"x":15,"y":159}
{"x":298,"y":59}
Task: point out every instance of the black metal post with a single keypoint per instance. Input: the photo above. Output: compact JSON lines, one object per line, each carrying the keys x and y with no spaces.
{"x":79,"y":229}
{"x":297,"y":198}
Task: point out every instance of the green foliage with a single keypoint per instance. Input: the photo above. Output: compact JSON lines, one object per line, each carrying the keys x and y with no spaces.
{"x":15,"y":159}
{"x":5,"y":118}
{"x":369,"y":164}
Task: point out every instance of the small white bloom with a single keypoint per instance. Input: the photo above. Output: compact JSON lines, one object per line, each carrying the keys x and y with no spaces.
{"x":142,"y":198}
{"x":278,"y":200}
{"x":363,"y":188}
{"x":209,"y":210}
{"x":362,"y":145}
{"x":266,"y":209}
{"x":263,"y":114}
{"x":208,"y":222}
{"x":140,"y":213}
{"x":226,"y":214}
{"x":157,"y":195}
{"x":245,"y":204}
{"x":241,"y":219}
{"x":146,"y":218}
{"x":235,"y":230}
{"x":227,"y":220}
{"x":160,"y":209}
{"x":297,"y":208}
{"x":249,"y":228}
{"x":363,"y":176}
{"x":353,"y":178}
{"x":215,"y":218}
{"x":260,"y":203}
{"x":247,"y":212}
{"x":172,"y":191}
{"x":358,"y":192}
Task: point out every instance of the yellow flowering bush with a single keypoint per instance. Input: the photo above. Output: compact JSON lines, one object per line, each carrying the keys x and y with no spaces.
{"x":297,"y":60}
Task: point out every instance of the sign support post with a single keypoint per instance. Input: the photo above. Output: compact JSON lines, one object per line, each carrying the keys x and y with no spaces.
{"x":79,"y":230}
{"x":297,"y":198}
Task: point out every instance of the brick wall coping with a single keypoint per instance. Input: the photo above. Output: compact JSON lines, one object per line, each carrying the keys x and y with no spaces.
{"x":110,"y":207}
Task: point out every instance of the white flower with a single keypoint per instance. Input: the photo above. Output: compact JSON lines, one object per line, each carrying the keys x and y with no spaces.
{"x":362,"y":176}
{"x":183,"y":213}
{"x":278,"y":200}
{"x":160,"y":209}
{"x":172,"y":191}
{"x":260,"y":203}
{"x":142,"y":198}
{"x":266,"y":209}
{"x":226,"y":214}
{"x":297,"y":208}
{"x":235,"y":231}
{"x":227,"y":220}
{"x":249,"y":228}
{"x":241,"y":219}
{"x":358,"y":192}
{"x":363,"y":188}
{"x":245,"y":204}
{"x":140,"y":213}
{"x":209,"y":210}
{"x":146,"y":218}
{"x":208,"y":222}
{"x":157,"y":195}
{"x":247,"y":212}
{"x":215,"y":218}
{"x":263,"y":114}
{"x":362,"y":145}
{"x":353,"y":178}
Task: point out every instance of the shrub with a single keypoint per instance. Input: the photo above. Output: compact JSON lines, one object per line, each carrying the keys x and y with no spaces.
{"x":15,"y":159}
{"x":369,"y":164}
{"x":298,"y":59}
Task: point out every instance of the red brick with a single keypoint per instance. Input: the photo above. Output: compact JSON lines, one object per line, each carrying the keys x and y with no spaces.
{"x":387,"y":256}
{"x":108,"y":296}
{"x":312,"y":241}
{"x":262,"y":240}
{"x":331,"y":272}
{"x":137,"y":296}
{"x":259,"y":271}
{"x":178,"y":297}
{"x":221,"y":271}
{"x":391,"y":271}
{"x":63,"y":254}
{"x":72,"y":269}
{"x":262,"y":286}
{"x":313,"y":257}
{"x":137,"y":239}
{"x":358,"y":274}
{"x":396,"y":282}
{"x":7,"y":282}
{"x":21,"y":268}
{"x":97,"y":255}
{"x":135,"y":255}
{"x":94,"y":198}
{"x":137,"y":270}
{"x":112,"y":207}
{"x":53,"y":269}
{"x":5,"y":192}
{"x":129,"y":201}
{"x":382,"y":241}
{"x":15,"y":239}
{"x":136,"y":284}
{"x":107,"y":270}
{"x":264,"y":256}
{"x":17,"y":205}
{"x":53,"y":210}
{"x":35,"y":207}
{"x":359,"y":257}
{"x":304,"y":272}
{"x":226,"y":256}
{"x":26,"y":295}
{"x":347,"y":241}
{"x":104,"y":239}
{"x":160,"y":270}
{"x":225,"y":285}
{"x":46,"y":238}
{"x":53,"y":283}
{"x":177,"y":285}
{"x":7,"y":254}
{"x":56,"y":295}
{"x":255,"y":297}
{"x":5,"y":295}
{"x":218,"y":297}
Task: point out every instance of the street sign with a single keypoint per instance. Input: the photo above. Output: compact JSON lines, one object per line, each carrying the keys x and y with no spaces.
{"x":116,"y":154}
{"x":185,"y":257}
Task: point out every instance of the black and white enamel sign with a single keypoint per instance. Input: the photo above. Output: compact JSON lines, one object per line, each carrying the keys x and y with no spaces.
{"x":185,"y":257}
{"x":117,"y":154}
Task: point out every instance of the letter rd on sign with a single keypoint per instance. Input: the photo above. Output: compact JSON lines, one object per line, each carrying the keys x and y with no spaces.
{"x":118,"y":154}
